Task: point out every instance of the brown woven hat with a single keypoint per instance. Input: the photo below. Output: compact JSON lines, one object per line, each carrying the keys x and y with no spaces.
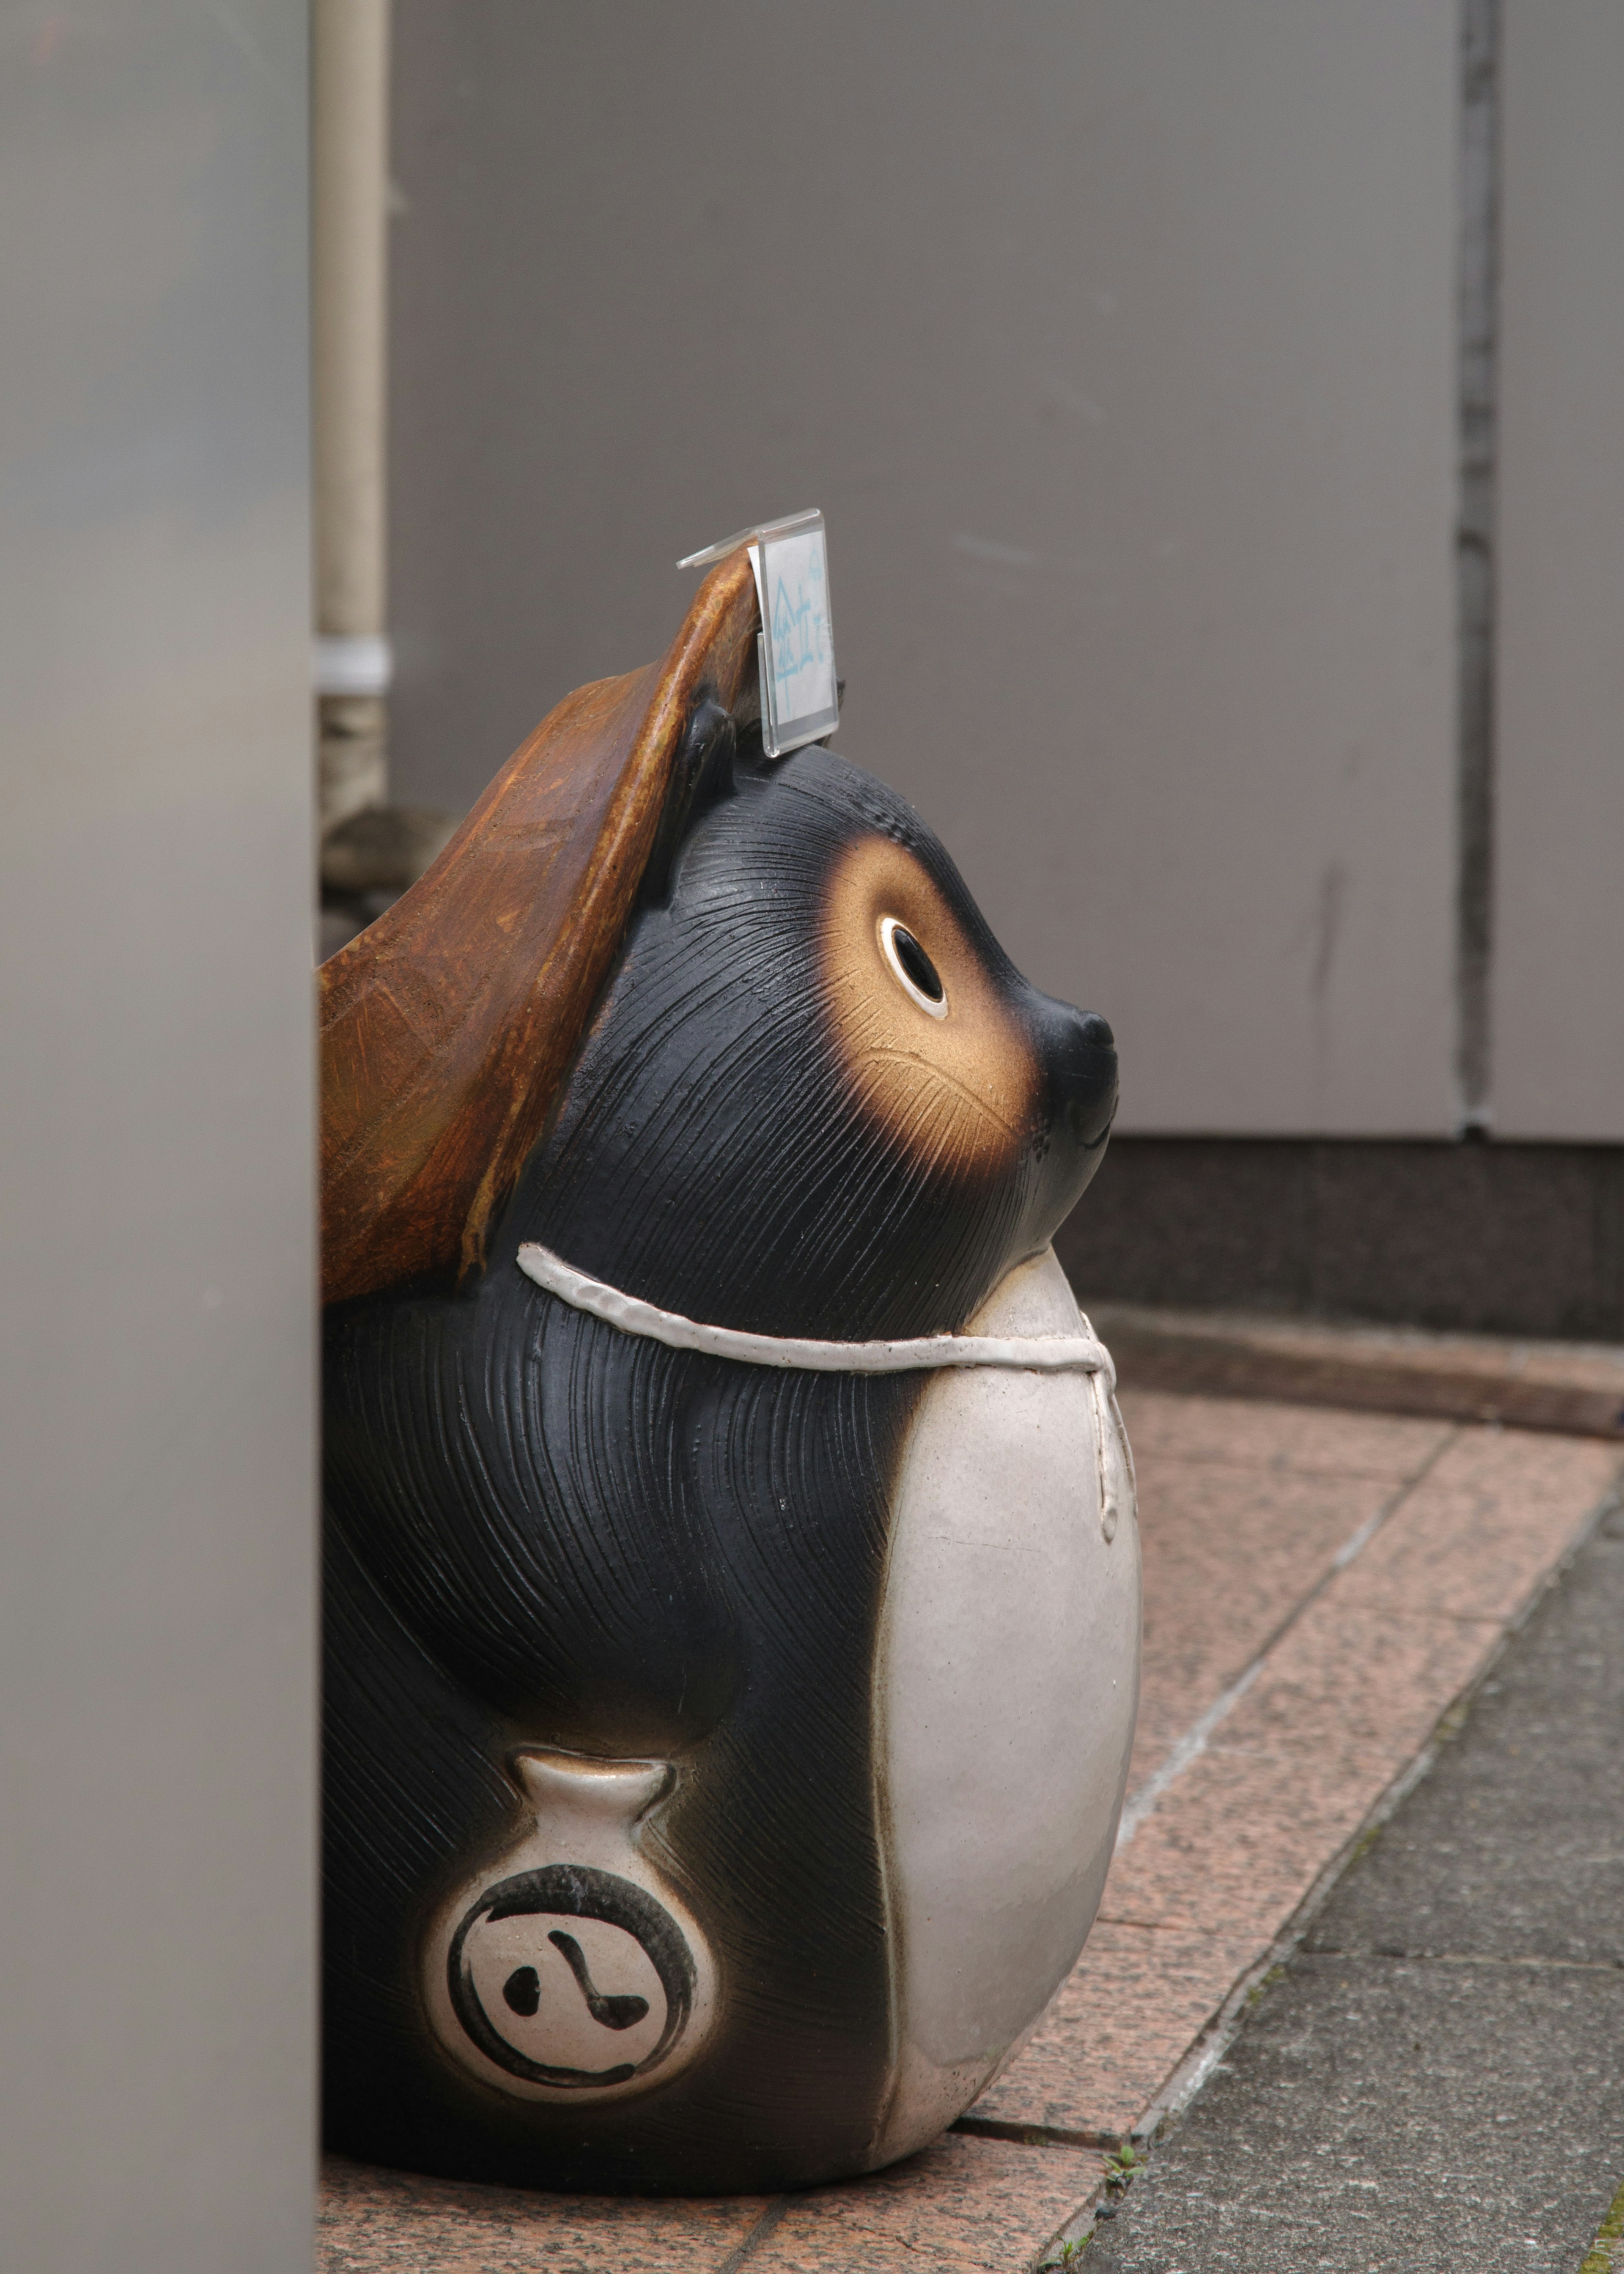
{"x":447,"y":1026}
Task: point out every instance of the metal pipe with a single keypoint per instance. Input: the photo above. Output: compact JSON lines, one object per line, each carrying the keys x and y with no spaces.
{"x":350,"y":260}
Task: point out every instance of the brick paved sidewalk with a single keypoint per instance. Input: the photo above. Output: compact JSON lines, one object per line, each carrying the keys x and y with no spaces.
{"x":1320,"y":1586}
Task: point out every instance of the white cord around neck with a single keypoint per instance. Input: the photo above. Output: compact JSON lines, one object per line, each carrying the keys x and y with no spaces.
{"x":1025,"y":1353}
{"x":1022,"y":1354}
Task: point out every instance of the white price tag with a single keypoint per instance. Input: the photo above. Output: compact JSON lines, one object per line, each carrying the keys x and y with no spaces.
{"x":800,"y":695}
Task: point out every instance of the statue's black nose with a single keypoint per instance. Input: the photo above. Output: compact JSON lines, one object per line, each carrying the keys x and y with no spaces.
{"x":1081,"y":1051}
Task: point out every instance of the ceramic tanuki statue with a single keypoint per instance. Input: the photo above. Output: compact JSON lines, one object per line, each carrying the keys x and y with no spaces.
{"x":733,"y":1585}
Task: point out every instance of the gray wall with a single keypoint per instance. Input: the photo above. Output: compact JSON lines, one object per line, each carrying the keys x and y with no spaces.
{"x":1115,"y":339}
{"x":1560,"y":952}
{"x":156,"y":1678}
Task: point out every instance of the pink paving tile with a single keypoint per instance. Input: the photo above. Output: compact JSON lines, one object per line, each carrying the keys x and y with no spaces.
{"x":1235,"y":1845}
{"x":1354,"y":1691}
{"x":1137,"y":1999}
{"x":1306,"y":1440}
{"x":373,"y":2221}
{"x":987,"y":2205}
{"x":1483,"y":1527}
{"x":1229,"y":1554}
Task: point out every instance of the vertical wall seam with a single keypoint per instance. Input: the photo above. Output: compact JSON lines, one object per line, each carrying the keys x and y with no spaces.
{"x":1477,"y":317}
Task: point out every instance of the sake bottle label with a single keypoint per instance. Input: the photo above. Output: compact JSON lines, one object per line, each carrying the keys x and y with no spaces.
{"x":570,"y":1970}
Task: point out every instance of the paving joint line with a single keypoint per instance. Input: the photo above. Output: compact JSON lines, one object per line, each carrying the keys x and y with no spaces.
{"x":1157,"y":1926}
{"x":1142,"y":1804}
{"x":771,"y":2218}
{"x":1039,"y":2135}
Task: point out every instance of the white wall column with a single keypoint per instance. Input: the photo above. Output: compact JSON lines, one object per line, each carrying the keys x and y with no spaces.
{"x":157,"y":1599}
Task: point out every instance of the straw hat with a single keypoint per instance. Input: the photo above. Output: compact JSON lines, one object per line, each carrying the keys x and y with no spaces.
{"x":447,"y":1026}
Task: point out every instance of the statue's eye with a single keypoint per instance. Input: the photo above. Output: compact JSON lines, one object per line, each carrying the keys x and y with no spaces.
{"x":912,"y":966}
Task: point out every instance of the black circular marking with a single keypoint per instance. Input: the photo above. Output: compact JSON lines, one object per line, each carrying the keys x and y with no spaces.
{"x":916,"y":963}
{"x":573,"y":1891}
{"x":522,"y":1991}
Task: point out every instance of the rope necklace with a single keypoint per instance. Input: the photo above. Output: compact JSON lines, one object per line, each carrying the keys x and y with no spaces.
{"x":1082,"y":1353}
{"x":1027,"y":1353}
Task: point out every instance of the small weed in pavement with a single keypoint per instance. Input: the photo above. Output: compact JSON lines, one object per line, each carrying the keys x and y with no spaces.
{"x":1122,"y":2168}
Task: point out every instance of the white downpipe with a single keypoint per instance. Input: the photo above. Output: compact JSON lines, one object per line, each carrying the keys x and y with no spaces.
{"x":350,"y":259}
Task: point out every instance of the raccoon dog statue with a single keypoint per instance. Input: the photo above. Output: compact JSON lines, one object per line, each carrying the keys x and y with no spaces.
{"x":725,"y":1731}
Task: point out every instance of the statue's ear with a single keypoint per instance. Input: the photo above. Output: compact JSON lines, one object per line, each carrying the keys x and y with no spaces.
{"x":448,"y":1025}
{"x":701,"y":775}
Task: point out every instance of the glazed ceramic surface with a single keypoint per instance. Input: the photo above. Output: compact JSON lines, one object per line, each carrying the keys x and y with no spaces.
{"x":1006,"y":1678}
{"x":724,"y":1758}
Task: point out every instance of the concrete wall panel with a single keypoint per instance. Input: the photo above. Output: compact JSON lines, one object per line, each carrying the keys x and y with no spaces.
{"x":1559,"y":947}
{"x":1114,"y":339}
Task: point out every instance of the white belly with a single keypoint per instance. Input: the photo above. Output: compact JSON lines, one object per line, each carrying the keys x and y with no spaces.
{"x":1006,"y":1684}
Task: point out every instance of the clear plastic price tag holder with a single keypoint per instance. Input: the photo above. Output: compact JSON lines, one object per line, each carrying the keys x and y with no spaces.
{"x":800,"y":696}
